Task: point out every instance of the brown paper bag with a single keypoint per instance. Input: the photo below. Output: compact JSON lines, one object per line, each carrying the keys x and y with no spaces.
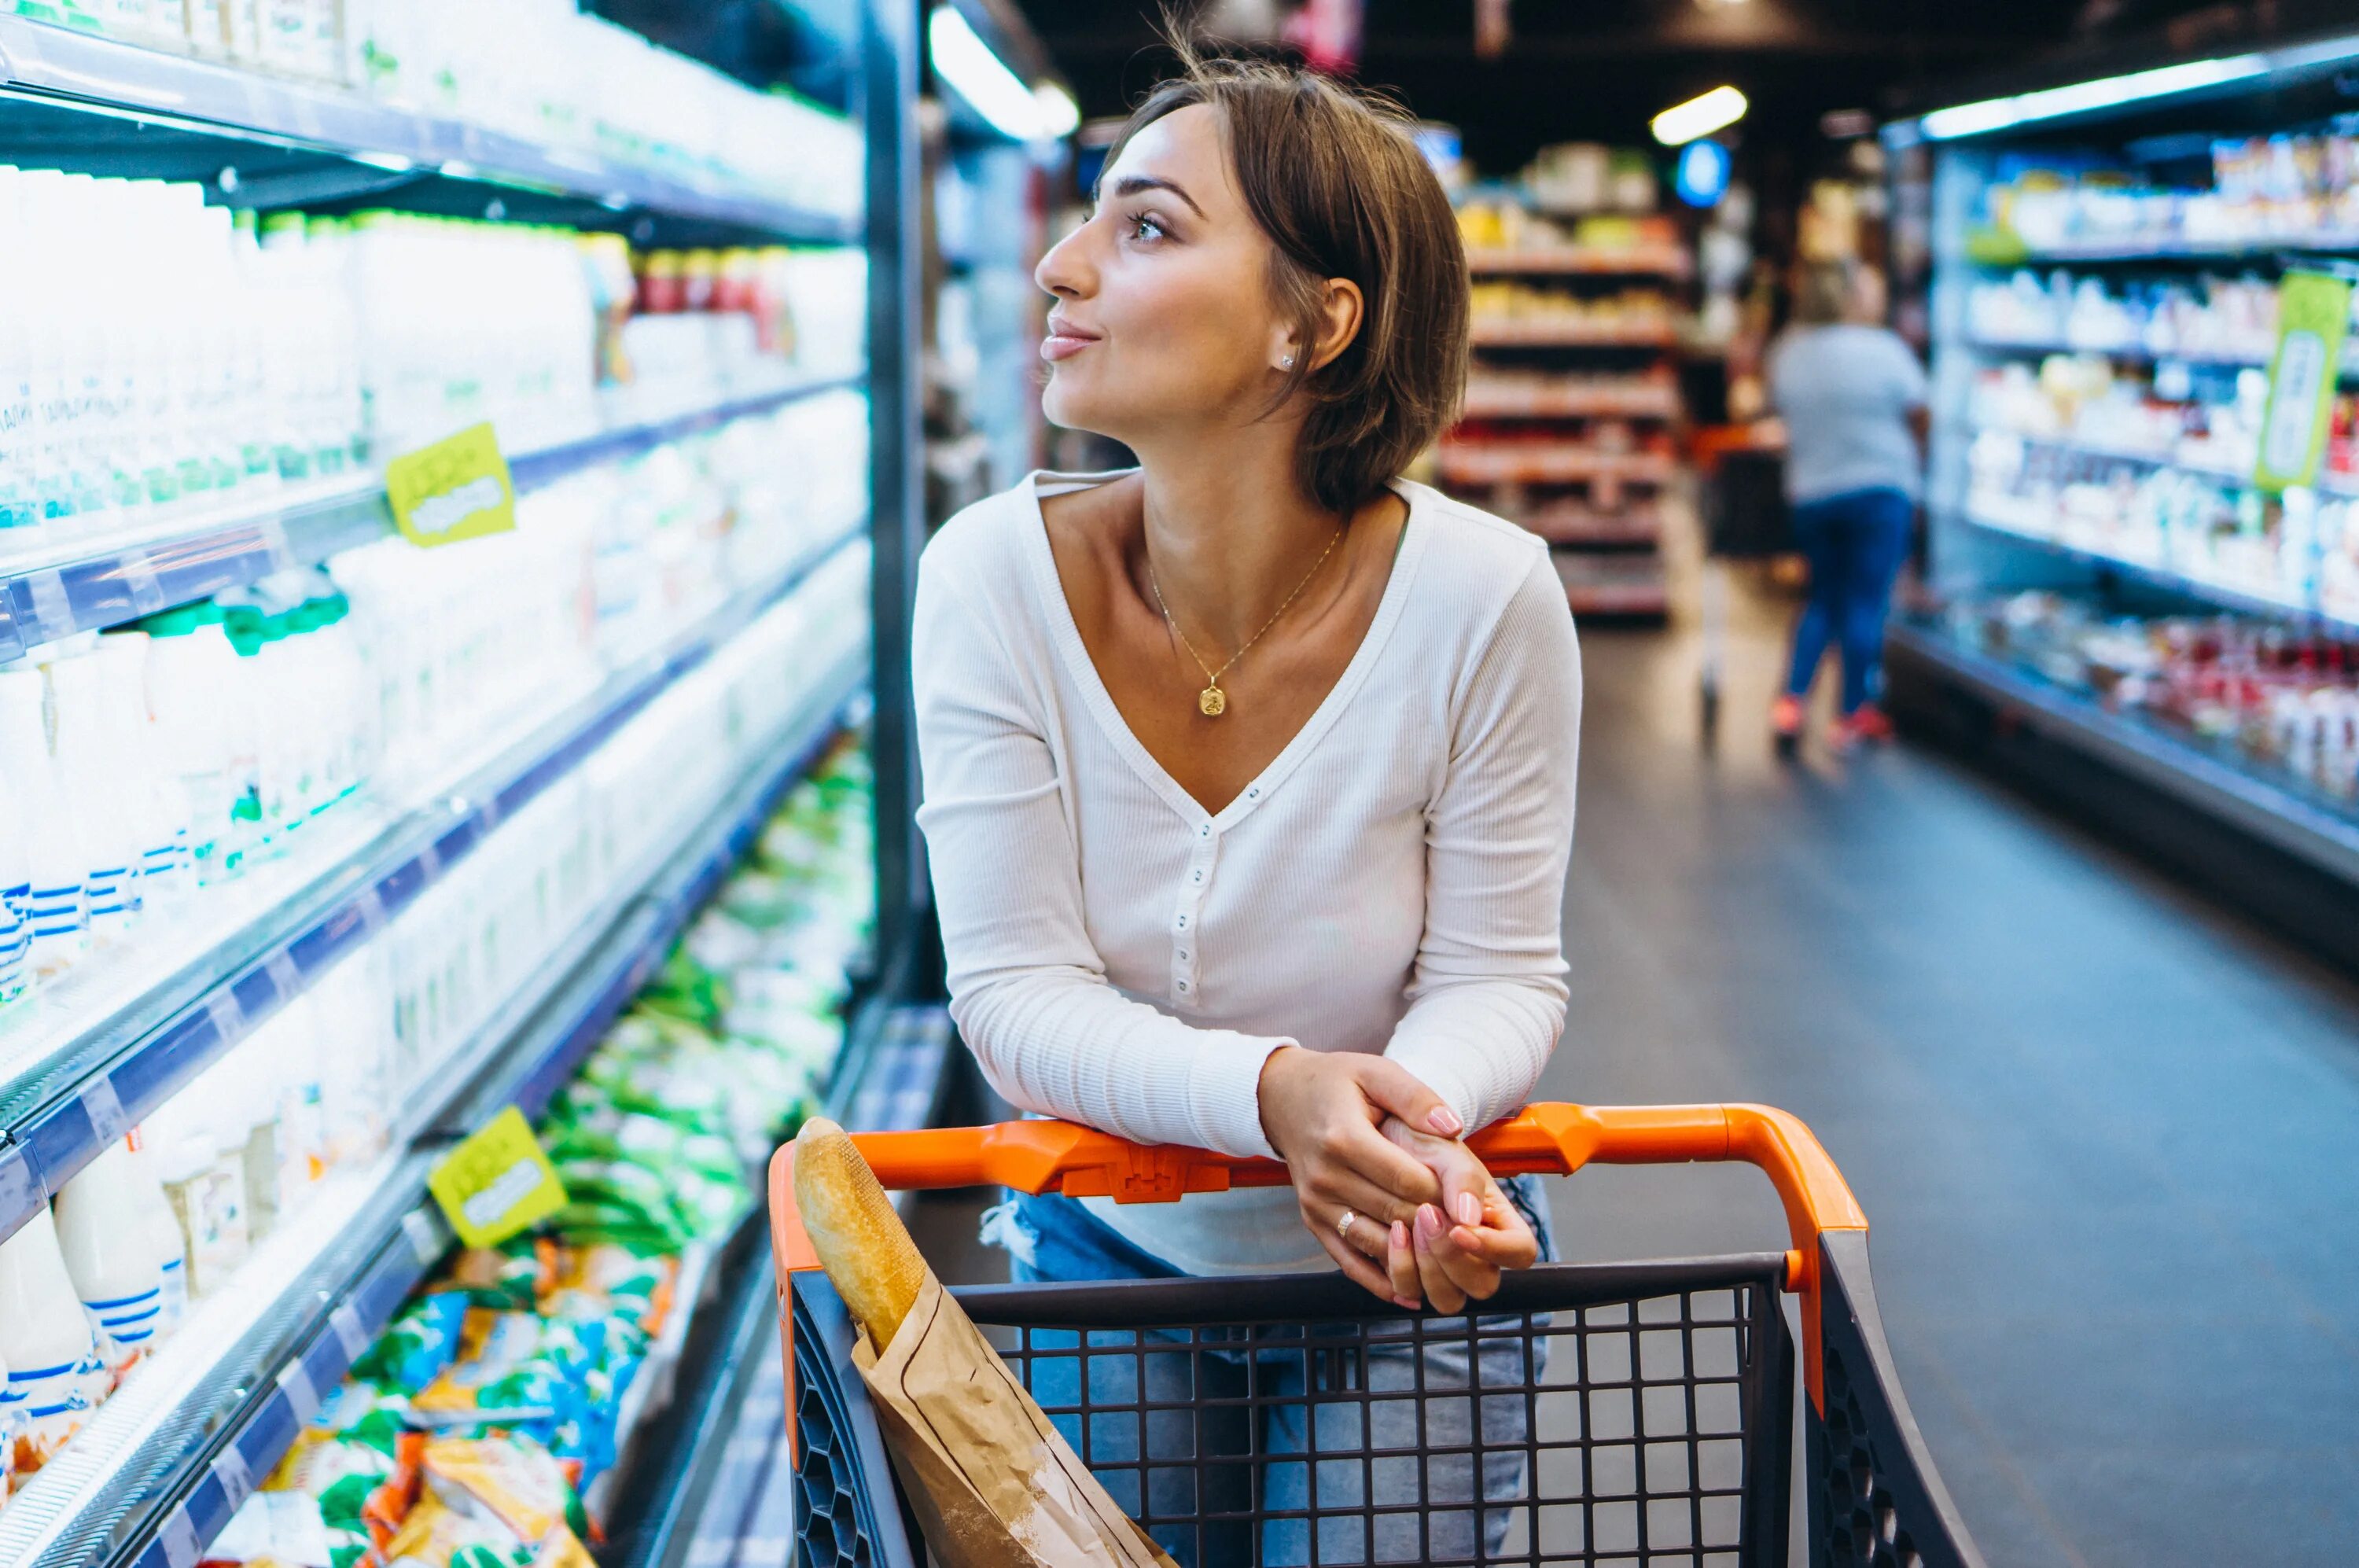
{"x":993,"y":1484}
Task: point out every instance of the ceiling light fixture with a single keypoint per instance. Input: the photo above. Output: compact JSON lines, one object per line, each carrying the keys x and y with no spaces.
{"x":1698,"y":117}
{"x":968,"y":66}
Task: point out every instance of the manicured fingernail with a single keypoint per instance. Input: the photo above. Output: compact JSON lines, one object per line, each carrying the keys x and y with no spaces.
{"x":1428,"y":1221}
{"x":1444,"y":1120}
{"x":1470,"y":1211}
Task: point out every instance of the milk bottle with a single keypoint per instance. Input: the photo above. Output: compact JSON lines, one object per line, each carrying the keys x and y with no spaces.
{"x":46,"y":1342}
{"x":55,"y":910}
{"x":111,"y":1256}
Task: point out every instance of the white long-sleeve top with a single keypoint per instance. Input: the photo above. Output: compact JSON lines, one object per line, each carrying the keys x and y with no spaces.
{"x":1393,"y":882}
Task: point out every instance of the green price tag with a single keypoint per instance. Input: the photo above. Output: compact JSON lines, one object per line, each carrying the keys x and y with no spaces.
{"x":2314,"y":312}
{"x":497,"y":1183}
{"x":456,"y":489}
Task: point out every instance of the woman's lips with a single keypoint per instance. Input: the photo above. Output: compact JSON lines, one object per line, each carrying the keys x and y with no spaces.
{"x":1063,"y":344}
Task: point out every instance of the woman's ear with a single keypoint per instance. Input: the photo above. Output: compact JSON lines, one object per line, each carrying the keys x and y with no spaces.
{"x":1342,"y":307}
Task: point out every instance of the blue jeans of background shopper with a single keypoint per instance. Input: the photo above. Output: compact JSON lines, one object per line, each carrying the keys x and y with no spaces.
{"x":1856,"y":543}
{"x":1056,"y":1238}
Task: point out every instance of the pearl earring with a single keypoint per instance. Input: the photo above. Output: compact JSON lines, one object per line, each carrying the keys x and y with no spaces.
{"x":1286,"y":364}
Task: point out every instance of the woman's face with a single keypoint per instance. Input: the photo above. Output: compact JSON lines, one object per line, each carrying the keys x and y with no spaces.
{"x":1163,"y":317}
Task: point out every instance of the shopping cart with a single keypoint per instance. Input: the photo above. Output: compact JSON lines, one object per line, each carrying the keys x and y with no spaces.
{"x":1740,"y":493}
{"x":1657,"y":1428}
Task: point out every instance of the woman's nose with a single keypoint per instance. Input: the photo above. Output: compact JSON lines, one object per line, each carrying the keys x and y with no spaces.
{"x":1065,"y":271}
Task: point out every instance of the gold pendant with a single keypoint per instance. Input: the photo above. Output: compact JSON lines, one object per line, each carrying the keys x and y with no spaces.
{"x":1211,"y":702}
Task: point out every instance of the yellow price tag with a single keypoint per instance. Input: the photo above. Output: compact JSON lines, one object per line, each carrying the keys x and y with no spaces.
{"x":2313,"y":317}
{"x":456,"y":489}
{"x":497,"y":1183}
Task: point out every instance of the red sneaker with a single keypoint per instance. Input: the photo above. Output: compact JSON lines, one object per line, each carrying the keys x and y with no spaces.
{"x":1786,"y":723}
{"x":1868,"y":723}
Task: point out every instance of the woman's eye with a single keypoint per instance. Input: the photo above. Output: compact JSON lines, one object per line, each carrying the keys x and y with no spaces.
{"x":1144,"y":228}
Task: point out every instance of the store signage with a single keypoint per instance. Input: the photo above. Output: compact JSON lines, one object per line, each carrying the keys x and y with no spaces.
{"x":456,"y":489}
{"x":2314,"y":312}
{"x":496,"y":1183}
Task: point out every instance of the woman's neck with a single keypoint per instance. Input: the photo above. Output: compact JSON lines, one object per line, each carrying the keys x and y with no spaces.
{"x":1229,"y":533}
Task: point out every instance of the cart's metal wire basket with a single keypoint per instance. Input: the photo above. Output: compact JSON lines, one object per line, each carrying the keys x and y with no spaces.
{"x":1637,"y":1414}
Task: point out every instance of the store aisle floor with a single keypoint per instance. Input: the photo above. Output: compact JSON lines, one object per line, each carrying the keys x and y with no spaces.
{"x":2107,"y":1138}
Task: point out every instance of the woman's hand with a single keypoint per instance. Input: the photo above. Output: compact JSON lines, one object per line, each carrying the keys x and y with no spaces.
{"x":1455,"y":1249}
{"x":1321,"y":1111}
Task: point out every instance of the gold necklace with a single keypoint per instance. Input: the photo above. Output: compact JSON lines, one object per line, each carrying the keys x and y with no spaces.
{"x":1211,"y":702}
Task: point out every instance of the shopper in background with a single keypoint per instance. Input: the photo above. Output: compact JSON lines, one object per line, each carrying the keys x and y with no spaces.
{"x":1249,"y":777}
{"x":1852,"y":398}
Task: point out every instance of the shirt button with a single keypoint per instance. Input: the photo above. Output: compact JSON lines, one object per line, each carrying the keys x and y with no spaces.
{"x":1183,"y":923}
{"x":1183,"y":952}
{"x":1197,"y":876}
{"x":1254,"y":793}
{"x":1204,"y":832}
{"x":1183,"y":984}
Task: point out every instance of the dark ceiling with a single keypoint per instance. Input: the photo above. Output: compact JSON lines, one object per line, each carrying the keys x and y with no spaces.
{"x":1600,"y":69}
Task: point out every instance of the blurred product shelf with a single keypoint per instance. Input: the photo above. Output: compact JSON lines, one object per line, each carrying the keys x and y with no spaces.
{"x":52,"y":590}
{"x":1636,"y":261}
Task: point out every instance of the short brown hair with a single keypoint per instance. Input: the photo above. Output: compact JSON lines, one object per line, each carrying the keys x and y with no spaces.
{"x":1823,"y":293}
{"x":1336,"y":180}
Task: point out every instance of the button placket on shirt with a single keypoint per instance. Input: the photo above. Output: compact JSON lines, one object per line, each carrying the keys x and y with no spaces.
{"x":1186,"y":959}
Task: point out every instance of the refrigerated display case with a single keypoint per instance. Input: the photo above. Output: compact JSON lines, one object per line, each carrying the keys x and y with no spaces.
{"x":378,"y":841}
{"x":2125,"y":607}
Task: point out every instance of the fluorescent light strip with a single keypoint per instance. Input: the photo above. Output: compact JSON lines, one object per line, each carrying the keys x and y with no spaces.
{"x":2111,"y":91}
{"x":964,"y":62}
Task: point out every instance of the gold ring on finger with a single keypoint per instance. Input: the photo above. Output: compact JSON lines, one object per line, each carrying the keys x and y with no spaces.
{"x":1343,"y":1225}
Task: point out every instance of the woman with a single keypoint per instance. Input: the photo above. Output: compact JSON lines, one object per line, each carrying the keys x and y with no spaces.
{"x":1852,"y":398}
{"x":1249,"y":772}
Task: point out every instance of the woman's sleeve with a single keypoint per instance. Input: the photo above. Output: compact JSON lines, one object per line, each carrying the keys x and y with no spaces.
{"x":1488,"y":998}
{"x":1027,"y":988}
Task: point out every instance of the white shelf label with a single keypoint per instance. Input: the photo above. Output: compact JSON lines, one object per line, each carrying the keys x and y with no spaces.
{"x":424,"y":1243}
{"x":138,"y":575}
{"x":430,"y":858}
{"x":284,"y":973}
{"x":18,"y":1191}
{"x":350,"y":1331}
{"x":275,"y":545}
{"x":295,"y":1382}
{"x":236,"y":1480}
{"x":227,"y":1013}
{"x":53,"y":616}
{"x":179,"y":1539}
{"x":371,"y":905}
{"x":103,"y":1107}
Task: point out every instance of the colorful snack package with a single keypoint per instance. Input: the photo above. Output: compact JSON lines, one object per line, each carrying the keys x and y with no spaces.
{"x":422,"y":1340}
{"x":506,"y":1277}
{"x":514,"y":1368}
{"x":602,"y":1278}
{"x":440,"y":1537}
{"x":516,"y":1482}
{"x":363,"y":1490}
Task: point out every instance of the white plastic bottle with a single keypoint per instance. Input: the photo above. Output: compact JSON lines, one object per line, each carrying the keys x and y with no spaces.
{"x":192,"y":732}
{"x":16,"y":897}
{"x":164,"y":1240}
{"x":111,"y":1256}
{"x":46,"y":1342}
{"x":202,"y":1169}
{"x":57,"y":910}
{"x":91,"y":780}
{"x":250,"y":1099}
{"x":151,"y":794}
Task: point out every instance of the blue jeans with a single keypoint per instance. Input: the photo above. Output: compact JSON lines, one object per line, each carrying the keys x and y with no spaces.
{"x":1216,"y":1400}
{"x":1856,"y":543}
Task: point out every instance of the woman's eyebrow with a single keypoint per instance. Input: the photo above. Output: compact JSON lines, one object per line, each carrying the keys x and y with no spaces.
{"x":1132,"y":184}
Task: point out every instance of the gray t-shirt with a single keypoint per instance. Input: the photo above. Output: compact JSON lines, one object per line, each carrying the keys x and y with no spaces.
{"x":1845,"y":392}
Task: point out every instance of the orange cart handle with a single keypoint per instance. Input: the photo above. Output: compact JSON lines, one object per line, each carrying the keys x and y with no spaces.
{"x":1548,"y":1139}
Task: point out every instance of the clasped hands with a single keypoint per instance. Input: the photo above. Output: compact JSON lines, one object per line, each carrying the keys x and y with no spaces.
{"x":1403,"y":1206}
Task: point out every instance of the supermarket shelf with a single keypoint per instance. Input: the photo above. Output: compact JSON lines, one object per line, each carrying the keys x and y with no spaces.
{"x":78,"y":70}
{"x":2155,"y":575}
{"x":1580,"y":527}
{"x":1543,"y":463}
{"x":1635,"y":261}
{"x":2327,"y":840}
{"x":2330,"y":483}
{"x":2137,"y":352}
{"x":1608,"y":586}
{"x":1562,"y":400}
{"x":79,"y":1096}
{"x":2170,"y":248}
{"x":85,"y":585}
{"x":1512,"y":332}
{"x":157,"y":1504}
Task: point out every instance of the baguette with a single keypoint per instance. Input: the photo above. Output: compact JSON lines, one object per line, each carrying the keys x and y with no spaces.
{"x":861,"y":1242}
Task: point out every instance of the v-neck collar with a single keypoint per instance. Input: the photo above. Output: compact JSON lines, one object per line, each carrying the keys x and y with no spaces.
{"x":1119,"y":732}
